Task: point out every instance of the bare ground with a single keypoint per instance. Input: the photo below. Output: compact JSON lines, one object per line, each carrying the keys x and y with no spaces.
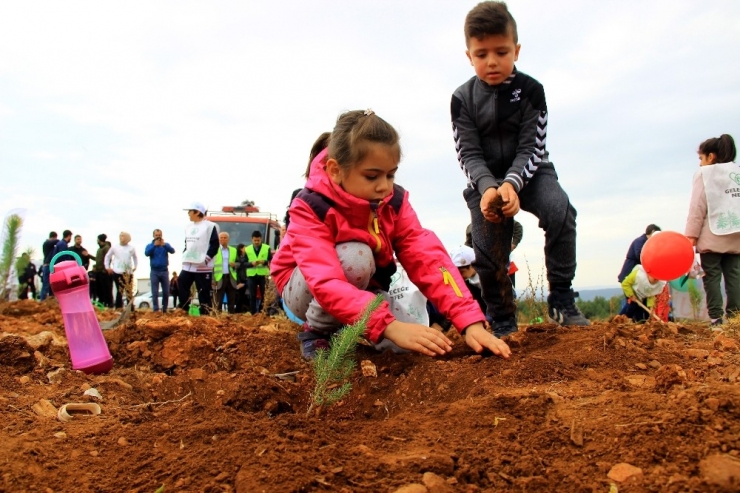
{"x":193,"y":404}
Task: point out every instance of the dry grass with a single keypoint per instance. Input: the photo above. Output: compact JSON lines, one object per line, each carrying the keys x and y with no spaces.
{"x":732,"y":326}
{"x":531,"y":303}
{"x":269,"y":297}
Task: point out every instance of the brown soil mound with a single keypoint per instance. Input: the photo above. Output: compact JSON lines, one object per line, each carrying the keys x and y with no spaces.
{"x":194,"y":404}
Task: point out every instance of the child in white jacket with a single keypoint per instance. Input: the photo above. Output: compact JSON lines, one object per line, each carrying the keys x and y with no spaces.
{"x":640,"y":286}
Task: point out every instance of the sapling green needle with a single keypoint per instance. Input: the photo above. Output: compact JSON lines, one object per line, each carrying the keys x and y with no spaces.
{"x":335,"y":365}
{"x":695,"y":298}
{"x":11,"y":237}
{"x":20,"y":267}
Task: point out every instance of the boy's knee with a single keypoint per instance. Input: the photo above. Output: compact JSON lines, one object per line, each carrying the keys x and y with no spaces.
{"x":557,"y":213}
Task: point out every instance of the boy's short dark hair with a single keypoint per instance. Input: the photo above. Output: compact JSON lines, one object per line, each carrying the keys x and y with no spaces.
{"x":256,"y":234}
{"x":490,"y":18}
{"x":652,"y":228}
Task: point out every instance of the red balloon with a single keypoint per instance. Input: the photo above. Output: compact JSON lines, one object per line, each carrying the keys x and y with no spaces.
{"x":667,"y":255}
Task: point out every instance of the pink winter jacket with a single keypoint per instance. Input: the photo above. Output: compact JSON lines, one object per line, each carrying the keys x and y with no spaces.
{"x":697,"y":224}
{"x":391,"y":227}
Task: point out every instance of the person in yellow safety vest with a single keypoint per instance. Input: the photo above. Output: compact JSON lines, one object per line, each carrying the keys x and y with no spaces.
{"x":258,"y":268}
{"x":225,"y":260}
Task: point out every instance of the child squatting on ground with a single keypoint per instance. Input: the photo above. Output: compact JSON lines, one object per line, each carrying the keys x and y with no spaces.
{"x":640,"y":286}
{"x":345,"y":227}
{"x":499,"y":120}
{"x":713,"y":224}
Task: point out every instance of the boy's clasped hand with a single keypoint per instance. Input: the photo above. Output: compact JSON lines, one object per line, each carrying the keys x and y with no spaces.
{"x":499,"y":203}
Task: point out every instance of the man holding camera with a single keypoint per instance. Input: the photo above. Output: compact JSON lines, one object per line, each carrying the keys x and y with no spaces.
{"x":158,"y":251}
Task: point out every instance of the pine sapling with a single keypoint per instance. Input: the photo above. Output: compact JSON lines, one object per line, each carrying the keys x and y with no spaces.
{"x":696,"y":298}
{"x":11,"y":236}
{"x":20,"y":267}
{"x":334,"y":366}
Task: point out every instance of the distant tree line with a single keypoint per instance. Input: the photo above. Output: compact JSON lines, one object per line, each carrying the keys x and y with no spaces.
{"x":600,"y":308}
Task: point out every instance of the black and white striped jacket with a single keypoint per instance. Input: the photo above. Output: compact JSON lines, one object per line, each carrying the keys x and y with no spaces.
{"x":500,"y":131}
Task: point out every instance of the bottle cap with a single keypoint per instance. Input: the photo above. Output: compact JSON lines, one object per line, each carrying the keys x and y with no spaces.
{"x":68,"y":274}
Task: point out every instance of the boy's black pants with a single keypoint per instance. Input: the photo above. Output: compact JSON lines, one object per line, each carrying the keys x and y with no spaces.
{"x":202,"y":282}
{"x":544,"y":197}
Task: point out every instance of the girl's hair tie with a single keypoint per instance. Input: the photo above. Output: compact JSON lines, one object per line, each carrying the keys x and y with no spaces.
{"x":369,"y":112}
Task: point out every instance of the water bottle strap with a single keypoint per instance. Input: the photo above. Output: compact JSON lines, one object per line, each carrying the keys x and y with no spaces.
{"x":65,"y":252}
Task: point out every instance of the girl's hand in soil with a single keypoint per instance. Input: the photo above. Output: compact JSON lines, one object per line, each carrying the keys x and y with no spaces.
{"x":510,"y":198}
{"x":478,"y":338}
{"x":488,"y":207}
{"x":417,"y":337}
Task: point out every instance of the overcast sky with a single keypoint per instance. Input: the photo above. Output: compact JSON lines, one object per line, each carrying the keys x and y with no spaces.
{"x":115,"y":116}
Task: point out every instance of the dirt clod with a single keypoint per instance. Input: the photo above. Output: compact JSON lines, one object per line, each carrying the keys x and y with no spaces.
{"x":722,"y":470}
{"x":669,"y":375}
{"x":412,"y":488}
{"x":623,"y":472}
{"x":436,"y":484}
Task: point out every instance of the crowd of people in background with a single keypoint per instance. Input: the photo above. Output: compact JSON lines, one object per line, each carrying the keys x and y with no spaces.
{"x":213,"y":272}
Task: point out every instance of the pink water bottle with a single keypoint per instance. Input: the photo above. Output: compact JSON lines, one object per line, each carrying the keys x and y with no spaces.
{"x":87,"y":346}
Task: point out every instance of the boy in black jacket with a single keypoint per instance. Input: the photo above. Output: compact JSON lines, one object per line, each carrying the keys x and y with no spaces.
{"x":499,"y":121}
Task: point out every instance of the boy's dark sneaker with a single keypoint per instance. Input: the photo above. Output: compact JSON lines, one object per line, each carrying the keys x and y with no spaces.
{"x":311,"y":342}
{"x":504,"y":327}
{"x":562,"y":309}
{"x":716,"y":324}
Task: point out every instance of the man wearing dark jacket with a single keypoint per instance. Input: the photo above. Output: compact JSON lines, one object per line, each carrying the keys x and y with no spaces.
{"x":48,"y":249}
{"x":633,"y":254}
{"x":63,"y":246}
{"x":103,"y":282}
{"x":27,"y":278}
{"x":85,"y":257}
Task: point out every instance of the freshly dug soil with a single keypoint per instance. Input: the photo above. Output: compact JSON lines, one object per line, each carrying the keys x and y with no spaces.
{"x":194,"y":404}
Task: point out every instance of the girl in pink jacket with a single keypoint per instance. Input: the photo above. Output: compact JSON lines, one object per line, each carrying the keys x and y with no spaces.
{"x":713,"y":224}
{"x":346,"y":225}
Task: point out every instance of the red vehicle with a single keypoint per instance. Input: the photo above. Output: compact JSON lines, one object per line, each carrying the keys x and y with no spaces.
{"x":241,"y":221}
